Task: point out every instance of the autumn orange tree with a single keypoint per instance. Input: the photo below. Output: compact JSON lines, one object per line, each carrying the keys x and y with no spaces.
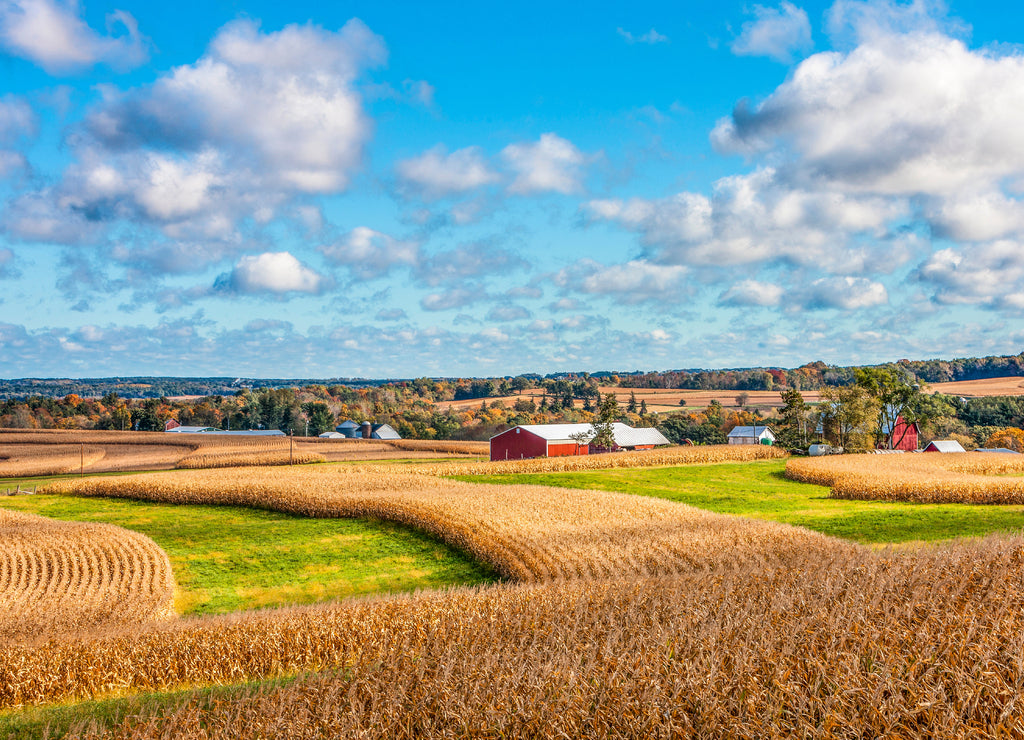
{"x":1011,"y":438}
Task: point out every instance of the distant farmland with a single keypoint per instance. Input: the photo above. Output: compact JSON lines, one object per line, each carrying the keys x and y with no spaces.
{"x":664,"y":400}
{"x":977,"y":388}
{"x":659,"y":400}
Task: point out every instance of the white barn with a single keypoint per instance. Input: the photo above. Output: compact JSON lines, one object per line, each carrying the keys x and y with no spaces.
{"x":755,"y":435}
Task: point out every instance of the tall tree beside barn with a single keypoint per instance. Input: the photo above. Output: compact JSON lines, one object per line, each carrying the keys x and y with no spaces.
{"x":847,"y":414}
{"x":793,"y":423}
{"x":897,"y":395}
{"x":607,"y":414}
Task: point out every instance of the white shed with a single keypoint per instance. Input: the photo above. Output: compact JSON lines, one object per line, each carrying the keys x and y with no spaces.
{"x":755,"y":435}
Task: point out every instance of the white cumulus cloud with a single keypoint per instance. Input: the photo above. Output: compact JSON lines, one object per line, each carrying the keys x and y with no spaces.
{"x":636,"y":281}
{"x":990,"y":274}
{"x":778,"y":33}
{"x":550,"y":164}
{"x":53,"y":35}
{"x":436,"y":173}
{"x":912,"y":114}
{"x":845,"y":293}
{"x":273,"y":272}
{"x":752,"y":293}
{"x":370,"y":253}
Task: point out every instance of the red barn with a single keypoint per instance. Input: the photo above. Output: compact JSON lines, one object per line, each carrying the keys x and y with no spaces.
{"x":904,"y":436}
{"x":555,"y":440}
{"x":538,"y":440}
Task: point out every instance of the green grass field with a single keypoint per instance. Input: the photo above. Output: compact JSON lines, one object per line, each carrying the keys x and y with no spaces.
{"x":760,"y":490}
{"x":227,"y":558}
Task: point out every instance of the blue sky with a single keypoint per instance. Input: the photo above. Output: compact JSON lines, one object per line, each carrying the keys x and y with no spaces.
{"x":406,"y":189}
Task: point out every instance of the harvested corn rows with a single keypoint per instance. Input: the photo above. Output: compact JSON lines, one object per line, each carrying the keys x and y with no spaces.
{"x":527,"y":533}
{"x":928,"y":644}
{"x":25,"y":459}
{"x":456,"y":447}
{"x":52,"y":451}
{"x":58,"y":578}
{"x":969,"y":477}
{"x":228,"y":458}
{"x":698,"y":455}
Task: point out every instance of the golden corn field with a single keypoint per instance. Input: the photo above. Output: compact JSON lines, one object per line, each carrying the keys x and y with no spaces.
{"x":966,"y":477}
{"x":59,"y":578}
{"x":858,"y":644}
{"x":526,"y":533}
{"x":233,"y":458}
{"x":20,"y":460}
{"x":40,"y":452}
{"x":446,"y":446}
{"x":619,"y":616}
{"x":697,"y":455}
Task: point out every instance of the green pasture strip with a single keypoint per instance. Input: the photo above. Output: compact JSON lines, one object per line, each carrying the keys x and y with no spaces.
{"x":760,"y":490}
{"x":56,"y":720}
{"x":231,"y":558}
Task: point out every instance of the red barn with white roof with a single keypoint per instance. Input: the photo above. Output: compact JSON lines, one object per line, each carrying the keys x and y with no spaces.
{"x":555,"y":440}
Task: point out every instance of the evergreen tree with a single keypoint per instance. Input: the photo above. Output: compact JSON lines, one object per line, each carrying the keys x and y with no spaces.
{"x":607,"y":414}
{"x":792,"y":426}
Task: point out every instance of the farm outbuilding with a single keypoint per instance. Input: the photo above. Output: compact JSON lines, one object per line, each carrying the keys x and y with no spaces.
{"x":179,"y":429}
{"x":944,"y":445}
{"x":175,"y":427}
{"x":556,"y":440}
{"x":754,"y":435}
{"x":904,"y":435}
{"x":366,"y":430}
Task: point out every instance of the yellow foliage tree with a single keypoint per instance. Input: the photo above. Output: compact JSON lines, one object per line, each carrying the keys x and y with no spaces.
{"x":1011,"y":438}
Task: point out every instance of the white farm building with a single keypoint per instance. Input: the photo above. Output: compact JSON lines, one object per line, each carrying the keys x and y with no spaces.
{"x":755,"y":435}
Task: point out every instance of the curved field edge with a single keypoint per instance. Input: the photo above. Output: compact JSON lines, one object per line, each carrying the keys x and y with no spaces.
{"x":63,"y":578}
{"x":761,"y":490}
{"x":234,"y":558}
{"x":526,"y":533}
{"x":70,"y":718}
{"x":861,"y":644}
{"x":965,"y":478}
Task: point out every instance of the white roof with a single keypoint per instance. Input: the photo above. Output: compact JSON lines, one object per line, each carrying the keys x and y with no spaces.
{"x":190,"y":430}
{"x":762,"y":431}
{"x":332,"y":435}
{"x":947,"y":445}
{"x":385,"y":431}
{"x":625,"y":435}
{"x":997,"y":449}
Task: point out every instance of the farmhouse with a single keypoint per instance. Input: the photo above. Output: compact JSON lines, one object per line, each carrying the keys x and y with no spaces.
{"x":755,"y":435}
{"x":944,"y":445}
{"x":366,"y":430}
{"x":556,"y":440}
